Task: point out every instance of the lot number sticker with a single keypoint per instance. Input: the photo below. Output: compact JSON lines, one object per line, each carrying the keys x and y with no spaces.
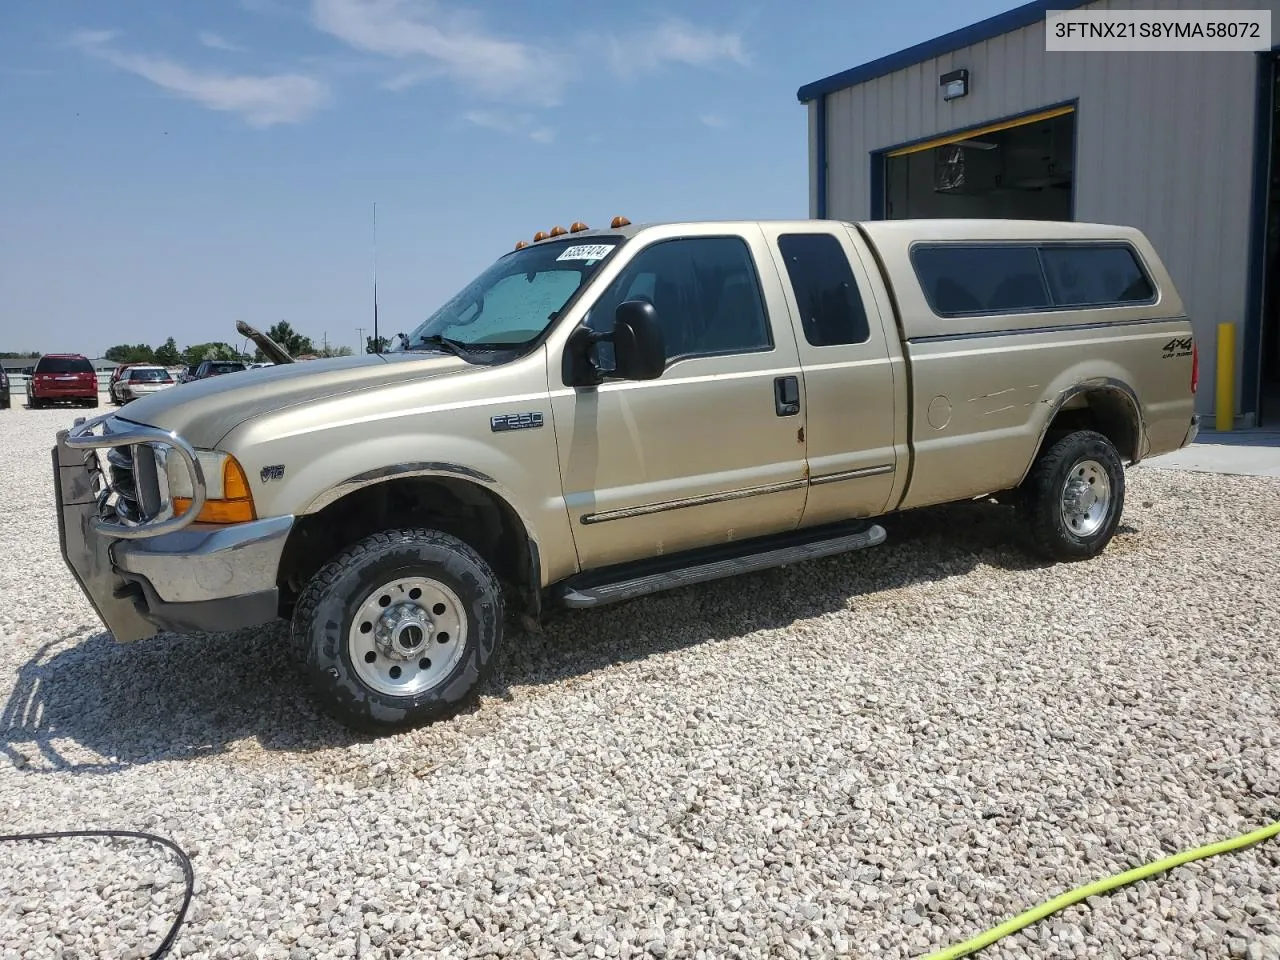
{"x":589,"y":251}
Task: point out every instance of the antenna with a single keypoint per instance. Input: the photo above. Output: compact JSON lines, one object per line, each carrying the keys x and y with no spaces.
{"x":377,"y":344}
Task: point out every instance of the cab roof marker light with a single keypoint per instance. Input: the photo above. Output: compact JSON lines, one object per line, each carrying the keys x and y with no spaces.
{"x":558,"y":231}
{"x":617,"y":222}
{"x":540,"y":235}
{"x":578,"y":226}
{"x":521,"y":244}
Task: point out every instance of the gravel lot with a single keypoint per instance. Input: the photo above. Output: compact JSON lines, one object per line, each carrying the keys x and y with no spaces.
{"x":870,"y":756}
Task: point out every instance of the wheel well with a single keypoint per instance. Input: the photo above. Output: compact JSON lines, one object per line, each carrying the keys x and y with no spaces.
{"x":468,"y":511}
{"x":1107,"y":410}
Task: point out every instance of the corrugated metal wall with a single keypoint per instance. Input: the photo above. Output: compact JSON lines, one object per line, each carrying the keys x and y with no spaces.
{"x":1164,"y":143}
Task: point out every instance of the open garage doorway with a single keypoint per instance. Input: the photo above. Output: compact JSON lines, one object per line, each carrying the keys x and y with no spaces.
{"x":1021,"y":169}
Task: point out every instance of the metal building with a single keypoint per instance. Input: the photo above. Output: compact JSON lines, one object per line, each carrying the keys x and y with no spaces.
{"x":985,"y":122}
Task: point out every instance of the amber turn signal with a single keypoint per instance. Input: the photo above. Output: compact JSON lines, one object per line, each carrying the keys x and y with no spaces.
{"x":235,"y":505}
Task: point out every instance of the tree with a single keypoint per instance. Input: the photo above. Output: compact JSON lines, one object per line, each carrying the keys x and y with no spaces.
{"x":337,"y":352}
{"x":293,"y":342}
{"x":209,"y":351}
{"x":131,"y":353}
{"x":382,"y":344}
{"x":167,"y":354}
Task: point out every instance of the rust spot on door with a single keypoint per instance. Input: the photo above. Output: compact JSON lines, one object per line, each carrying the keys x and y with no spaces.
{"x":800,"y":435}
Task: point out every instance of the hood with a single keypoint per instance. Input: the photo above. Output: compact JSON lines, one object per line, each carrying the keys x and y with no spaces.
{"x":205,"y":411}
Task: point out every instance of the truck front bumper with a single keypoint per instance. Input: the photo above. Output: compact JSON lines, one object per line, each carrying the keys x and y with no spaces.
{"x":201,"y":578}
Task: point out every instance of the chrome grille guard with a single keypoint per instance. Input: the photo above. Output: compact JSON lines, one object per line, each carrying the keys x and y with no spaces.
{"x":127,"y":510}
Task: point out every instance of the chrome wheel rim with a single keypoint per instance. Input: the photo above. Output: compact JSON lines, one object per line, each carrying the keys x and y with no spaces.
{"x":407,"y":636}
{"x":1086,"y":498}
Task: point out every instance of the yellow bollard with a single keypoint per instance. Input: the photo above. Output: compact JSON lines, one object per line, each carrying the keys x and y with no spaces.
{"x":1225,"y":381}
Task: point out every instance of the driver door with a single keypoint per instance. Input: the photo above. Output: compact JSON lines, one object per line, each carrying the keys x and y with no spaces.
{"x":708,"y":452}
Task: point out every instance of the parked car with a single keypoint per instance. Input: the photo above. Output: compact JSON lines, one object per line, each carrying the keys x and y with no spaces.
{"x":650,"y":407}
{"x":216,"y":368}
{"x":62,"y":377}
{"x":142,"y":380}
{"x":112,"y":395}
{"x":4,"y":389}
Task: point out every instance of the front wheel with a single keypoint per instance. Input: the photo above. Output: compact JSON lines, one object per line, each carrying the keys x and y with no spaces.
{"x":399,"y":629}
{"x":1074,"y":496}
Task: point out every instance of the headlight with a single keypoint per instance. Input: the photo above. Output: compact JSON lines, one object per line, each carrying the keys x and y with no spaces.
{"x":227,"y":496}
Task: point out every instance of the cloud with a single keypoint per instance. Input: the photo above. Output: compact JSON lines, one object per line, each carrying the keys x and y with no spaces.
{"x":90,"y":38}
{"x":674,"y":40}
{"x":262,"y":100}
{"x":517,"y":124}
{"x":435,"y":42}
{"x":216,"y":41}
{"x":714,"y":120}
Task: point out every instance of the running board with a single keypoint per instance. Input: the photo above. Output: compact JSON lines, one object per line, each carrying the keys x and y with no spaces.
{"x":598,"y":588}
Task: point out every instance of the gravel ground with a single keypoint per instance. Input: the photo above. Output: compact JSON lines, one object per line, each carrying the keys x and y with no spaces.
{"x":871,"y":756}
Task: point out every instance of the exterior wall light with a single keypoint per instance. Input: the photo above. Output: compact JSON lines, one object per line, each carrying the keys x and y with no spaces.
{"x":954,"y":84}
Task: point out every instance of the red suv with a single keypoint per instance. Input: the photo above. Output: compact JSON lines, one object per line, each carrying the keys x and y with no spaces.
{"x":62,"y":376}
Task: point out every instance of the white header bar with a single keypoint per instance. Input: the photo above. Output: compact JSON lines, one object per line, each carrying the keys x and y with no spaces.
{"x":1176,"y":30}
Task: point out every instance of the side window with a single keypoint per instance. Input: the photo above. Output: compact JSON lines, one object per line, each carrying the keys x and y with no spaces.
{"x":705,"y":291}
{"x":980,"y":278}
{"x":830,"y":305}
{"x":1095,"y":275}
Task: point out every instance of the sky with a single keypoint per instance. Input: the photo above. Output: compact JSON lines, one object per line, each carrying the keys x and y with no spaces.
{"x":167,"y":169}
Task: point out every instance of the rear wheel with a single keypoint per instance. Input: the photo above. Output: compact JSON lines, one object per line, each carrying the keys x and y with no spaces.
{"x":1074,"y":496}
{"x":399,"y":629}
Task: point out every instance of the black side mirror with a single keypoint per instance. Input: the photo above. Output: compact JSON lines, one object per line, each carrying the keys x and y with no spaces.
{"x":639,"y":352}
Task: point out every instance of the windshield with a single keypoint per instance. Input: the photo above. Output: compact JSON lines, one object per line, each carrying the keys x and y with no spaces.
{"x":514,"y":300}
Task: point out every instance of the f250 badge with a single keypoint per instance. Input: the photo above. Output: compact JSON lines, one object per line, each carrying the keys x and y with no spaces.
{"x":1180,"y":347}
{"x":515,"y":421}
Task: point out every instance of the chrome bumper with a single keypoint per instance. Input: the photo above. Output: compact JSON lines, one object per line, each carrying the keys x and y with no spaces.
{"x":193,"y":578}
{"x":1192,"y":431}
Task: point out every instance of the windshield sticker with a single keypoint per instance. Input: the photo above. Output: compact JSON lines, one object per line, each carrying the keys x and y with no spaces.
{"x":589,"y":251}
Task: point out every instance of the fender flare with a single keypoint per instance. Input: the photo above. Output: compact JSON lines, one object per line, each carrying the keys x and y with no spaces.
{"x":436,"y":468}
{"x":1093,"y":385}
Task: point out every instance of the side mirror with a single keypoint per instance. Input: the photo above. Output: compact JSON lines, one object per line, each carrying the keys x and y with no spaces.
{"x":639,"y":352}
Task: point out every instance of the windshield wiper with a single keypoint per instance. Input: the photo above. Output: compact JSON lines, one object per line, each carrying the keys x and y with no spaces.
{"x":456,"y":347}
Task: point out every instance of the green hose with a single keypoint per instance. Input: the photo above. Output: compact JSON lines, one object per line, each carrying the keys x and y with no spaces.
{"x":1102,"y":886}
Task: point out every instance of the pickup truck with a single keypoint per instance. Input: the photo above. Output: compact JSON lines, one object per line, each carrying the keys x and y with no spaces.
{"x":605,"y":413}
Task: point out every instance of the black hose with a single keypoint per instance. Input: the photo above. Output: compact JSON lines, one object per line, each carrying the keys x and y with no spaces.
{"x":188,"y":872}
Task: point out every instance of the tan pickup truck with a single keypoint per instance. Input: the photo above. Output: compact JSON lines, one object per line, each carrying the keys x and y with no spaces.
{"x":604,"y":413}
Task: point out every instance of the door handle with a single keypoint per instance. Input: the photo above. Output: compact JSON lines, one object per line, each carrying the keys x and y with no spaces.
{"x":786,"y":396}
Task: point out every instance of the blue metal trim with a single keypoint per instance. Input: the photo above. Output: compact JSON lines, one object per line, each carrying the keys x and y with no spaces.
{"x":1251,"y":365}
{"x":820,"y":148}
{"x":1075,"y":156}
{"x":996,"y":26}
{"x":880,"y":158}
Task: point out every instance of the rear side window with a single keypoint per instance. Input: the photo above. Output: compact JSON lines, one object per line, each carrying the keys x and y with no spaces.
{"x":981,"y":278}
{"x":975,"y":279}
{"x":827,"y":295}
{"x":1095,"y":275}
{"x":64,"y":365}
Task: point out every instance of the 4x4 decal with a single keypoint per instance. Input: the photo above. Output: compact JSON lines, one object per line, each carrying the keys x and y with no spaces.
{"x":1178,"y":347}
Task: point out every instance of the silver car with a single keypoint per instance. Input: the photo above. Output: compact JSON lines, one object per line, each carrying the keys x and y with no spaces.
{"x":141,"y":381}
